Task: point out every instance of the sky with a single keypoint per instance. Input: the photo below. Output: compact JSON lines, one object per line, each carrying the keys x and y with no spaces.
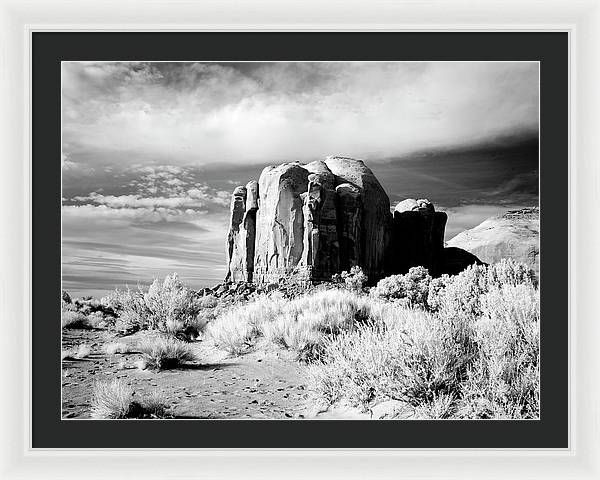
{"x":152,"y":151}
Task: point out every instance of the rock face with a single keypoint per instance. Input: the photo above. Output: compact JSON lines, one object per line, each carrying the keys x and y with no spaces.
{"x":279,"y":221}
{"x":418,"y":236}
{"x":305,"y":222}
{"x":310,"y":222}
{"x":512,"y":235}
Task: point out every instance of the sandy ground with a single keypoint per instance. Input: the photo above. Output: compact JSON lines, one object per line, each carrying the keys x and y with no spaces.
{"x":257,"y":385}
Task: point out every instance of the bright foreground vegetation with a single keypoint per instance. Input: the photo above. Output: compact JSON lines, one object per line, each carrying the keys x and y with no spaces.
{"x":465,"y":346}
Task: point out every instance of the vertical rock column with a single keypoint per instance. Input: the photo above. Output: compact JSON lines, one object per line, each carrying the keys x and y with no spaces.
{"x":249,"y":226}
{"x":236,"y":254}
{"x":320,"y":257}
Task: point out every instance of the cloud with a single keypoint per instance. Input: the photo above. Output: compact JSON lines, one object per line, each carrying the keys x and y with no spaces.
{"x":204,"y":113}
{"x":104,"y":248}
{"x":129,"y":214}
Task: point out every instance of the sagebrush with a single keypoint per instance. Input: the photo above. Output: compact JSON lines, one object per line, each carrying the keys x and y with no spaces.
{"x":168,"y":306}
{"x":463,"y":346}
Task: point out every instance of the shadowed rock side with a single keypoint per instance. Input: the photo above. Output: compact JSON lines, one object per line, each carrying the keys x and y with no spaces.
{"x":455,"y":260}
{"x":308,"y":222}
{"x":418,"y":236}
{"x":512,"y":235}
{"x":375,"y":218}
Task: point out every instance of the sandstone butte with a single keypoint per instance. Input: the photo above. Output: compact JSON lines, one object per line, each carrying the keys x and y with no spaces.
{"x":306,"y":222}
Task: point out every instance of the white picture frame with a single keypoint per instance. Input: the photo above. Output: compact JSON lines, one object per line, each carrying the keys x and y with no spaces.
{"x":18,"y":19}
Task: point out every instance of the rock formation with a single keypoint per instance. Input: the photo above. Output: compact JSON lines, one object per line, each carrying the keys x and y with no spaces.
{"x":516,"y":235}
{"x":306,"y":222}
{"x":242,"y":233}
{"x":418,"y":236}
{"x":309,"y":221}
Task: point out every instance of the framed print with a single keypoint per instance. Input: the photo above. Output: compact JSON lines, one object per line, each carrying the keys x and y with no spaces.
{"x":405,"y":286}
{"x":335,"y":243}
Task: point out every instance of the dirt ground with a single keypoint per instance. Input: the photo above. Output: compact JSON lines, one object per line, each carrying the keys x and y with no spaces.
{"x":259,"y":385}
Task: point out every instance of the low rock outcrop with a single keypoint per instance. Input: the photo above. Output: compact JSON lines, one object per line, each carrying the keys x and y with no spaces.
{"x":516,"y":235}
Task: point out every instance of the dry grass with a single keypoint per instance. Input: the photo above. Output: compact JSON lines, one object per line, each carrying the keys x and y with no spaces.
{"x":165,"y":353}
{"x":232,"y":334}
{"x":299,"y":325}
{"x":466,"y":366}
{"x":115,"y":400}
{"x":73,"y":319}
{"x":111,"y":400}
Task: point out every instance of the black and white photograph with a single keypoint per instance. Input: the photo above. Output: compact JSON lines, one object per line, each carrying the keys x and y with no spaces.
{"x":300,"y":240}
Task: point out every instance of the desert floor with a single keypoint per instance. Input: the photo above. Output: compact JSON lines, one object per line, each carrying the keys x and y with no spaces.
{"x":257,"y":385}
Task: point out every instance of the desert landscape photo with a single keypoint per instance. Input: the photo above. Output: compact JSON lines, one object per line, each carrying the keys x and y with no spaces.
{"x":300,"y":241}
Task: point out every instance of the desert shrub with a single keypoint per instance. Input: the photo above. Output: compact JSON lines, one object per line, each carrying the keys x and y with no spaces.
{"x":233,"y":333}
{"x":436,"y":292}
{"x":165,"y":353}
{"x":510,"y":272}
{"x":356,"y":366}
{"x":355,"y":279}
{"x":73,"y":319}
{"x":504,"y":380}
{"x":442,"y":406}
{"x":474,"y":357}
{"x":115,"y":400}
{"x":298,"y":325}
{"x":168,"y":306}
{"x":169,"y":302}
{"x":97,"y":320}
{"x":208,"y":301}
{"x":411,"y":289}
{"x":461,"y":294}
{"x":296,"y":333}
{"x":416,"y":358}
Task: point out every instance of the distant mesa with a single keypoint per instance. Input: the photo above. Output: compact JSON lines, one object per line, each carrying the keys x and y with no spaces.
{"x":306,"y":222}
{"x":515,"y":234}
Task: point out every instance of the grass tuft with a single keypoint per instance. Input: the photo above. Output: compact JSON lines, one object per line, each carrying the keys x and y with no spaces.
{"x":74,"y":320}
{"x":115,"y":400}
{"x":165,"y":353}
